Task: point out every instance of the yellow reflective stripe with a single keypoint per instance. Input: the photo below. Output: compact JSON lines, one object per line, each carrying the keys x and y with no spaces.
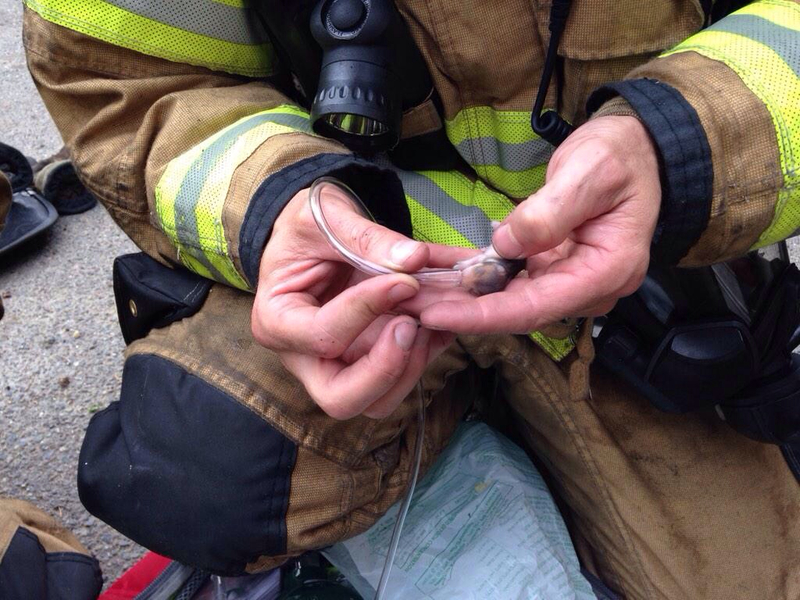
{"x":502,"y":148}
{"x":493,"y":204}
{"x":452,"y":199}
{"x":429,"y":191}
{"x":191,"y":263}
{"x":427,"y":226}
{"x":519,"y":184}
{"x":190,"y":196}
{"x":557,"y":349}
{"x":769,"y":67}
{"x":781,"y":12}
{"x":104,"y":21}
{"x":509,"y":126}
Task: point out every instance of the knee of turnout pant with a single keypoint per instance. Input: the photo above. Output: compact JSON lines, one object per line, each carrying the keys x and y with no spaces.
{"x":215,"y":456}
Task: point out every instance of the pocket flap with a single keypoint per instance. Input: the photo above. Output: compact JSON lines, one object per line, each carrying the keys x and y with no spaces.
{"x":150,"y":295}
{"x":604,"y":29}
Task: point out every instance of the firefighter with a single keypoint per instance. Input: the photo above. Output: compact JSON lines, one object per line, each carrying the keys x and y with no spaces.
{"x":267,"y":404}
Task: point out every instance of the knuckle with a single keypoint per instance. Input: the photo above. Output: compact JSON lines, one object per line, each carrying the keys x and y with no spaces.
{"x":529,"y":320}
{"x":639,"y":272}
{"x":601,"y":309}
{"x":324,"y":345}
{"x":371,"y":307}
{"x":258,"y":327}
{"x":534,"y":225}
{"x":304,"y":219}
{"x":630,"y":286}
{"x":386,"y":374}
{"x":602,"y":152}
{"x":380,"y":412}
{"x":612,"y":172}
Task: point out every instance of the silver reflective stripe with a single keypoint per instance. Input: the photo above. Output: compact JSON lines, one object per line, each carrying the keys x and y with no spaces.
{"x":511,"y":157}
{"x":186,"y":228}
{"x":785,"y":42}
{"x":469,"y":221}
{"x":204,"y":17}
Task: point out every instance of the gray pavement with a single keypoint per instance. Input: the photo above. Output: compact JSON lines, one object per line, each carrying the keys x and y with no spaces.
{"x":60,"y":346}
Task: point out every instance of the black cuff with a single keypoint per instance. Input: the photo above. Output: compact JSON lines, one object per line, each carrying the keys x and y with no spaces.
{"x":380,"y":189}
{"x":687,"y":174}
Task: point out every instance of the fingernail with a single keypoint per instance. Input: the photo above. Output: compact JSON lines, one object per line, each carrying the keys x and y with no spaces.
{"x":400,"y":292}
{"x":404,"y":335}
{"x":428,"y":325}
{"x":401,"y":251}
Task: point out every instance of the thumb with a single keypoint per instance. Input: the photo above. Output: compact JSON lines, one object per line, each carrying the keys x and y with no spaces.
{"x":369,"y":239}
{"x":541,"y":222}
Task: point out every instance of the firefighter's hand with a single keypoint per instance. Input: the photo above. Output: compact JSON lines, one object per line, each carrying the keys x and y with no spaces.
{"x":586,"y":235}
{"x":329,"y":323}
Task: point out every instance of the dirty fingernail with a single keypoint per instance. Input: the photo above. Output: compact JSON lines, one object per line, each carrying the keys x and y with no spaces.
{"x":505,"y":243}
{"x":401,"y":291}
{"x":401,"y":251}
{"x":404,"y":335}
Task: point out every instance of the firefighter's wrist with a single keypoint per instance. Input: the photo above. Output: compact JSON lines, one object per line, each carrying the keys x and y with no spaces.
{"x":684,"y":155}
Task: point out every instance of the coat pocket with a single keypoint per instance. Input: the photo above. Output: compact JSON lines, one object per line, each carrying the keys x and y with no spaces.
{"x":605,"y":29}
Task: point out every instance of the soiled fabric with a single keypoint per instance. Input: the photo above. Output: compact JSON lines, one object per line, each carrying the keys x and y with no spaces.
{"x":195,"y":164}
{"x":661,"y":506}
{"x":40,"y":559}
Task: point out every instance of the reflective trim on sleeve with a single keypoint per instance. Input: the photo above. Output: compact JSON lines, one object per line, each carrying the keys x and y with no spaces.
{"x":190,"y":196}
{"x":502,"y":148}
{"x":204,"y":17}
{"x":761,"y":43}
{"x":223,"y":36}
{"x":447,"y":208}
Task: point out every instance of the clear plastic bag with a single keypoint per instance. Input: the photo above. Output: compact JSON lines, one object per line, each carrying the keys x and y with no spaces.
{"x":482,"y":525}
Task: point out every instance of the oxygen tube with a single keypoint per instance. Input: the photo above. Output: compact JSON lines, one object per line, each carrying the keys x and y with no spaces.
{"x":315,"y":200}
{"x":401,"y":516}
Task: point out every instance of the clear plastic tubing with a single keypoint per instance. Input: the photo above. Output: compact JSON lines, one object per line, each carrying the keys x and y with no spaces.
{"x":445,"y":277}
{"x":438,"y":277}
{"x":401,"y":516}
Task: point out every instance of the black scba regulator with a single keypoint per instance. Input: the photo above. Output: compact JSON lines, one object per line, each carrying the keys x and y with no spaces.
{"x":355,"y":63}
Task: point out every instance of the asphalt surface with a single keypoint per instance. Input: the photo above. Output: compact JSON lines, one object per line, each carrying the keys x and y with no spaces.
{"x":60,"y":346}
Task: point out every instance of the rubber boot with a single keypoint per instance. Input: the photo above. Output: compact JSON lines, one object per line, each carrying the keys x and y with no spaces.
{"x":56,"y":179}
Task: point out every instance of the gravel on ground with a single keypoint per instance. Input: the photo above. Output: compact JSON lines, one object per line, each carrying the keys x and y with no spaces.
{"x":60,"y":346}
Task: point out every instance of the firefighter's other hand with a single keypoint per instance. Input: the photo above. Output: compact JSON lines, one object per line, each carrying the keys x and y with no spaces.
{"x":586,"y":235}
{"x":329,"y":323}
